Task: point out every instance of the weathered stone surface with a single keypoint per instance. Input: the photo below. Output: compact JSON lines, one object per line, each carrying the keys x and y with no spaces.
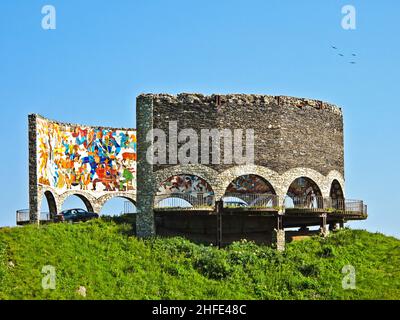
{"x":278,"y":239}
{"x":294,"y":137}
{"x":145,"y":179}
{"x":290,"y":132}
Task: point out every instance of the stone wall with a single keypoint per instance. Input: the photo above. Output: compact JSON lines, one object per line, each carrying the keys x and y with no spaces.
{"x":289,"y":132}
{"x":294,"y":138}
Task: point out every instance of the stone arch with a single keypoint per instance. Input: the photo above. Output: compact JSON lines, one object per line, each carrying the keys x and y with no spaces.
{"x":336,"y":191}
{"x":336,"y":195}
{"x":291,"y":175}
{"x":335,"y":175}
{"x":103,"y":199}
{"x":229,"y":175}
{"x":201,"y":171}
{"x":303,"y":191}
{"x":51,"y":201}
{"x":252,"y":189}
{"x":86,"y":198}
{"x":258,"y":185}
{"x":100,"y":202}
{"x":182,"y":176}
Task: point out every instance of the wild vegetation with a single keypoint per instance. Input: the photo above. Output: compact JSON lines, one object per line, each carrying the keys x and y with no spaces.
{"x":110,"y":263}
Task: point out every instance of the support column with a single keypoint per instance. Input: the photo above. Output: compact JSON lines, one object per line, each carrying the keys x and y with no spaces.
{"x":278,"y":234}
{"x":219,"y":205}
{"x":34,"y":201}
{"x":323,"y":229}
{"x":145,"y":226}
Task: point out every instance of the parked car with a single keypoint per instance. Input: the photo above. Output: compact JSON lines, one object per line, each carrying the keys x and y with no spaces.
{"x":75,"y":215}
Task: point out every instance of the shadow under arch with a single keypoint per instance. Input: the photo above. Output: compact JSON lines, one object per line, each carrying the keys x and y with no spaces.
{"x":303,"y":187}
{"x":51,"y":202}
{"x":304,"y":192}
{"x":85,"y":200}
{"x":336,"y":191}
{"x":336,"y":195}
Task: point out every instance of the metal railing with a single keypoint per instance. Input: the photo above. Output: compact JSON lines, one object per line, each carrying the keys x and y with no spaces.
{"x":129,"y":207}
{"x":309,"y":203}
{"x":246,"y":201}
{"x":184,"y":201}
{"x":355,"y":207}
{"x":23,"y":216}
{"x":251,"y":200}
{"x":329,"y":205}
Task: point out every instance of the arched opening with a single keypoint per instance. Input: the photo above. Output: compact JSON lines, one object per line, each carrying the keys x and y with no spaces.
{"x":118,"y":206}
{"x":303,"y":192}
{"x":336,"y":195}
{"x":250,"y":190}
{"x":77,"y":201}
{"x":184,"y":191}
{"x":48,"y":206}
{"x":174,"y":202}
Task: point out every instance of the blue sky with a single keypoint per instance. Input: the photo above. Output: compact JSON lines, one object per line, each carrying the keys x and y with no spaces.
{"x":103,"y":54}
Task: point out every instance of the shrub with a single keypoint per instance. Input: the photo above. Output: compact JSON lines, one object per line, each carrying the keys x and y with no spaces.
{"x":212,"y":263}
{"x":309,"y":270}
{"x":327,"y":252}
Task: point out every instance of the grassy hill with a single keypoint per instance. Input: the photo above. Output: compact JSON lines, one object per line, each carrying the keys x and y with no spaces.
{"x":112,"y":264}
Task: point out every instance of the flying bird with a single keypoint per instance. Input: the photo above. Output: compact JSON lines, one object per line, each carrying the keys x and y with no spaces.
{"x":341,"y":54}
{"x":353,"y":54}
{"x":333,"y":47}
{"x":352,"y":62}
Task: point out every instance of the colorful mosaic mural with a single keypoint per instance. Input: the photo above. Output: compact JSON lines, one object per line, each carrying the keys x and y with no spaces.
{"x":249,"y":183}
{"x":303,"y":187}
{"x":336,"y":190}
{"x":188,"y":184}
{"x":85,"y":158}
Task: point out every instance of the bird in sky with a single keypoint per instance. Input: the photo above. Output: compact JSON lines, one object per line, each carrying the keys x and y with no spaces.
{"x":342,"y":54}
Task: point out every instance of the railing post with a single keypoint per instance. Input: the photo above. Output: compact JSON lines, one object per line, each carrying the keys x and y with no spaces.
{"x":218,"y":210}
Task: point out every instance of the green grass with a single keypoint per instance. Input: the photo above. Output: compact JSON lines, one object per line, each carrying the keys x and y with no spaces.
{"x":110,"y":263}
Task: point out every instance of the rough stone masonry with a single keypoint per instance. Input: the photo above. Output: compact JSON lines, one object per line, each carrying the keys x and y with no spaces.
{"x":294,"y":137}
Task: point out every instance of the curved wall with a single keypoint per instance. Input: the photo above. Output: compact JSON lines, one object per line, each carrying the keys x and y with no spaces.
{"x":289,"y":132}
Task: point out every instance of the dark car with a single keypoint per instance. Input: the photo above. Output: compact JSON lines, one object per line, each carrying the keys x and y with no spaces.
{"x":75,"y":215}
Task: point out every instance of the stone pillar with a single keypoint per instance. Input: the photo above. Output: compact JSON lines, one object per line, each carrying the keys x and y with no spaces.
{"x":323,"y":230}
{"x":218,"y":211}
{"x":278,"y":239}
{"x":145,"y":178}
{"x":34,"y":201}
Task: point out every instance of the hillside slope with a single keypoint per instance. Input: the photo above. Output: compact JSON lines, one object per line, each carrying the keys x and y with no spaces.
{"x":111,"y":264}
